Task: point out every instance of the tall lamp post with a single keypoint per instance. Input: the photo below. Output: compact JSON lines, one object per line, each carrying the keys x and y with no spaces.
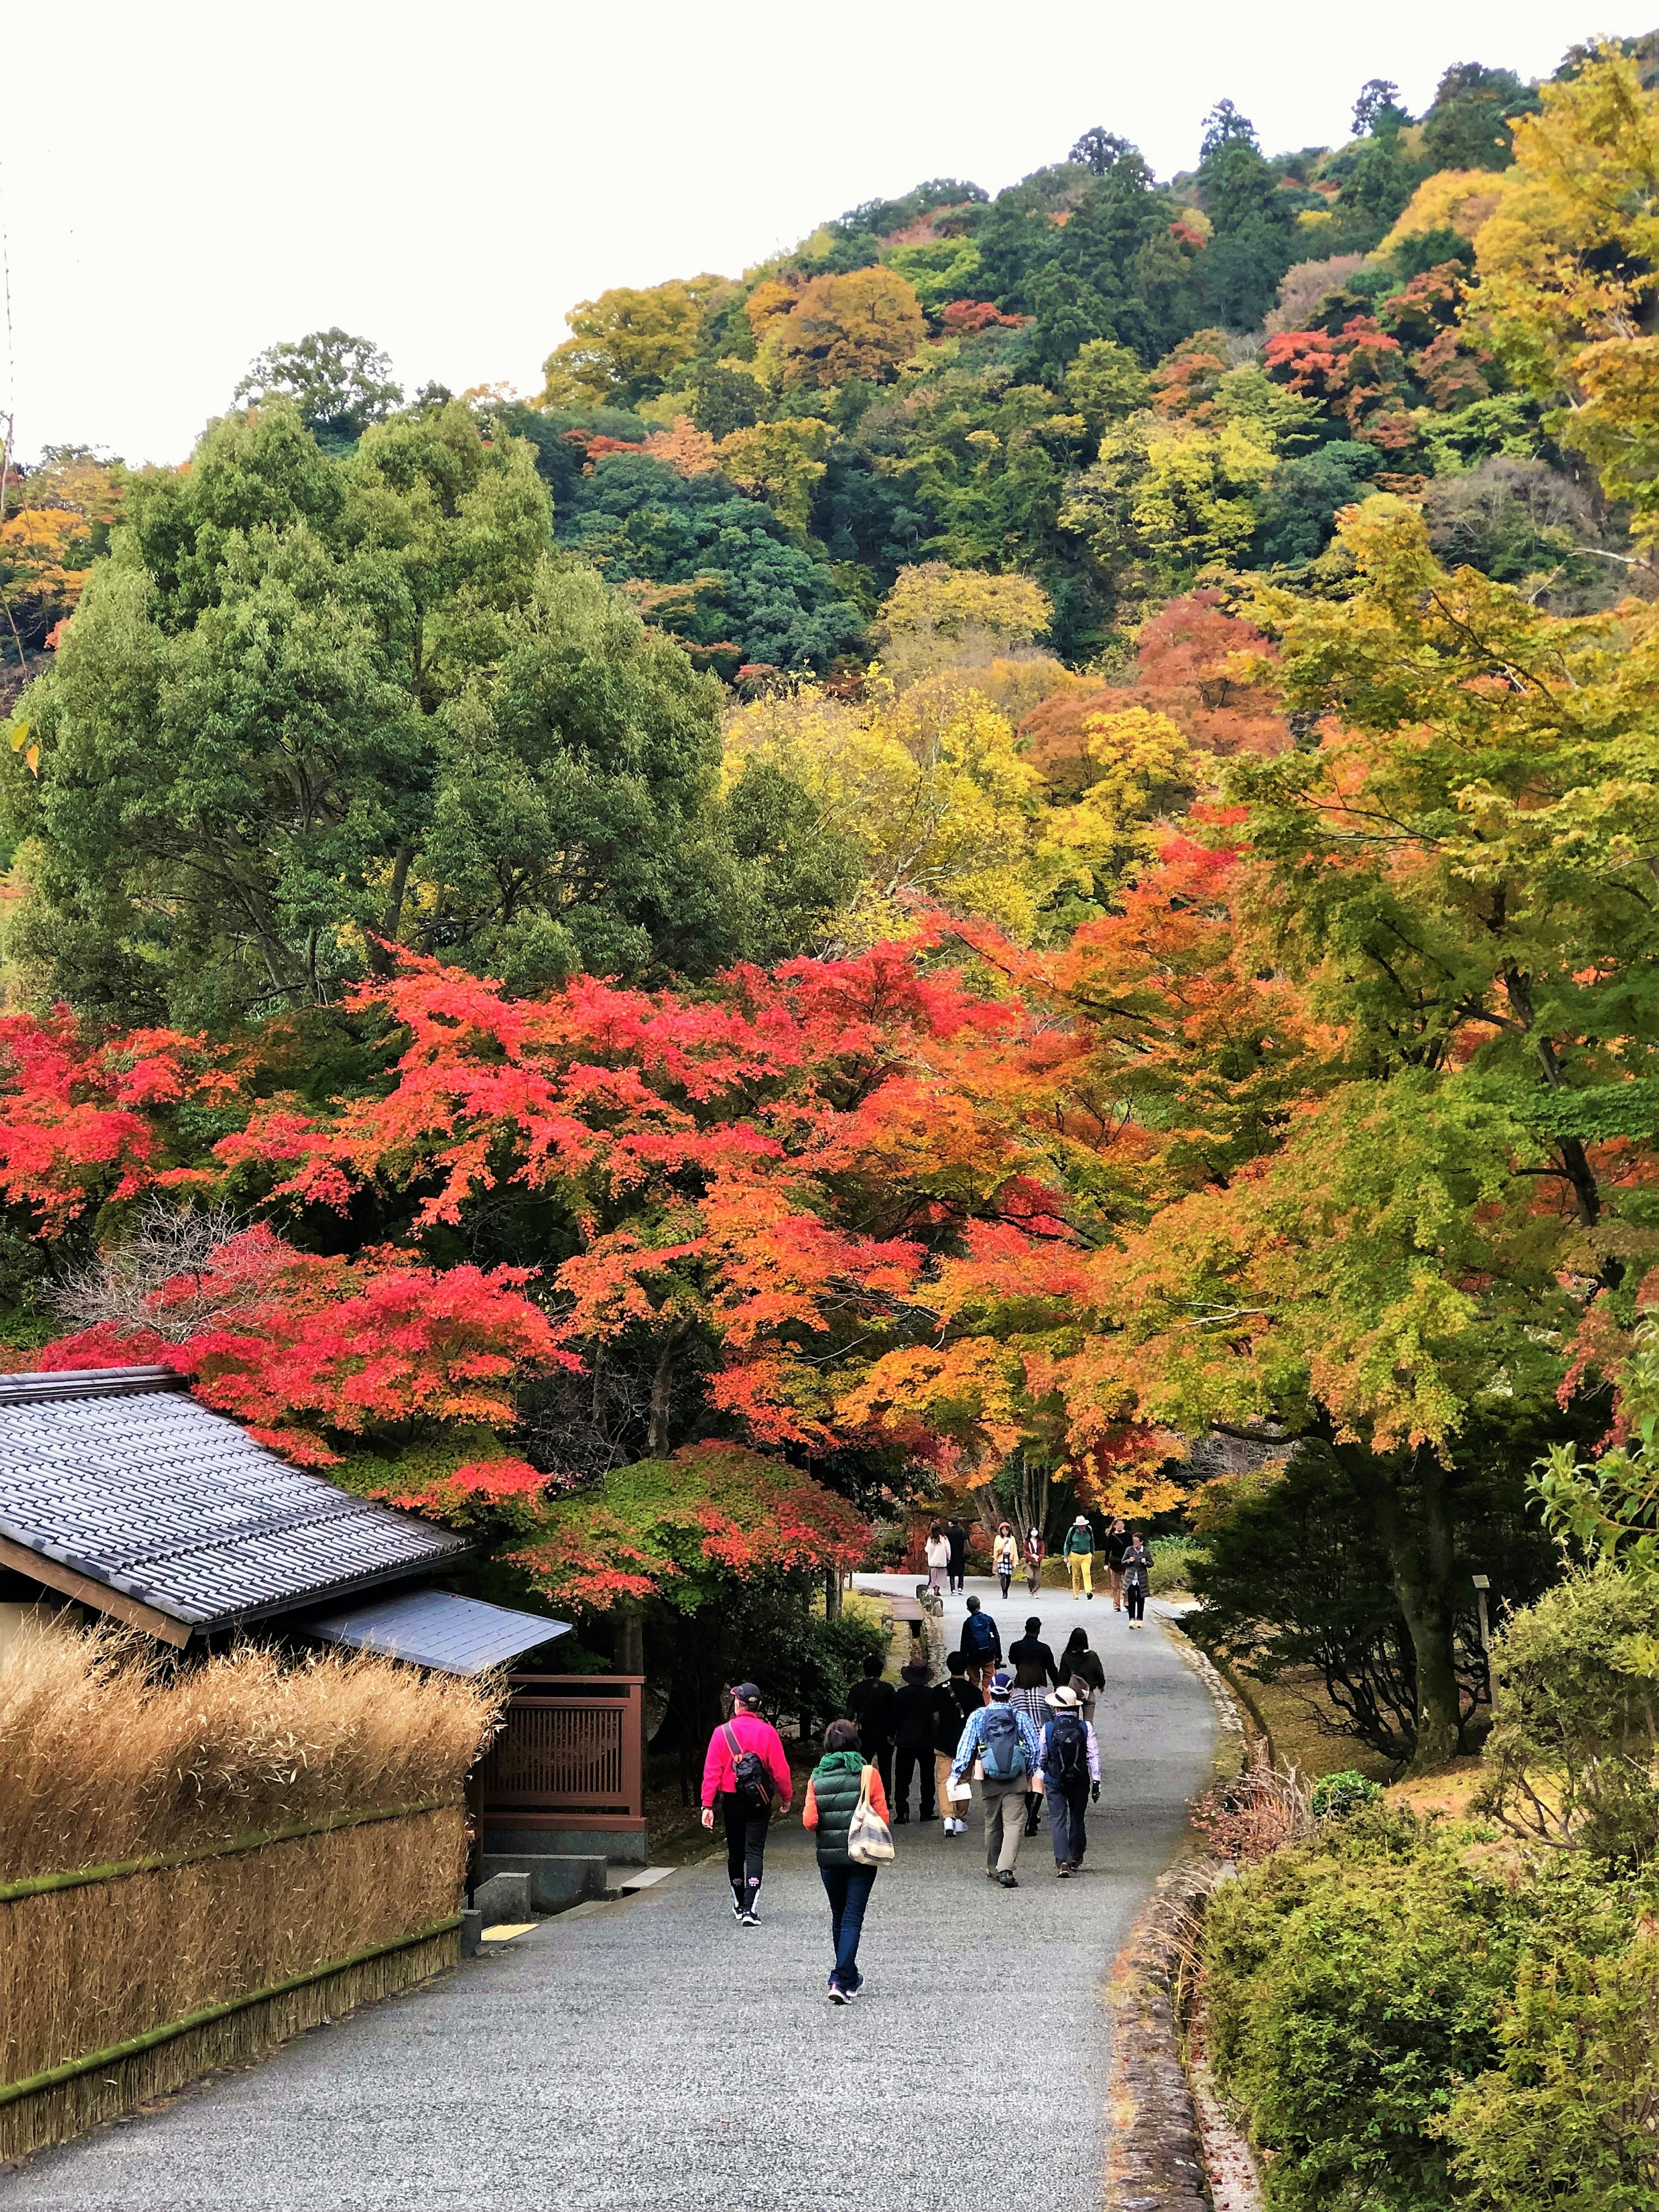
{"x":1482,"y":1585}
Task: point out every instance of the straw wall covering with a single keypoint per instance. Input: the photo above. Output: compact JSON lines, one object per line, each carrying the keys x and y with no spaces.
{"x":87,"y":1969}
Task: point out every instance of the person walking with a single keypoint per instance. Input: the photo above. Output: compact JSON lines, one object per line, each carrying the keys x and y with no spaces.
{"x":913,"y":1739}
{"x":1005,"y":1556}
{"x":1081,"y":1667}
{"x":833,"y":1791}
{"x":953,"y":1700}
{"x":958,"y":1535}
{"x":1078,"y":1552}
{"x":1116,"y":1544}
{"x":1136,"y":1578}
{"x":1001,"y":1747}
{"x":937,"y":1554}
{"x":1034,"y":1550}
{"x":1034,"y":1673}
{"x":981,"y":1642}
{"x":1068,"y":1757}
{"x":871,"y":1702}
{"x":746,"y":1774}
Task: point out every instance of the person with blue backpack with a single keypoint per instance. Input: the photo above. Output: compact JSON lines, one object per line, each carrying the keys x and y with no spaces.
{"x":981,"y":1643}
{"x":999,"y":1748}
{"x":1068,"y":1757}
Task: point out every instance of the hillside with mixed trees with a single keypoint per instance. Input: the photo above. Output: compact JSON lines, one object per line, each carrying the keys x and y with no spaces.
{"x":1011,"y":865}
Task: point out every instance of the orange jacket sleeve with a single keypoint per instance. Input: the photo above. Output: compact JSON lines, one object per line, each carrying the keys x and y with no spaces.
{"x":809,"y":1818}
{"x":878,"y":1795}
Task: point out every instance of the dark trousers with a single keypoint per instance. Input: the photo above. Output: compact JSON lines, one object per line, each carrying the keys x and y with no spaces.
{"x":1135,"y":1596}
{"x":959,"y":1573}
{"x":847,"y":1888}
{"x":880,"y":1756}
{"x":920,"y":1764}
{"x":745,"y":1847}
{"x":1066,"y":1809}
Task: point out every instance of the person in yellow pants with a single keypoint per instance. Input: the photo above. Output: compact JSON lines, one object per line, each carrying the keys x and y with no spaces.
{"x":1079,"y":1550}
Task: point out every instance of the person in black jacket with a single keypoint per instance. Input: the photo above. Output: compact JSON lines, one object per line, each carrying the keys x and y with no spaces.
{"x":958,"y":1539}
{"x":871,"y":1703}
{"x":1115,"y":1546}
{"x":981,"y":1643}
{"x":912,"y":1735}
{"x":1035,"y":1674}
{"x":952,"y":1702}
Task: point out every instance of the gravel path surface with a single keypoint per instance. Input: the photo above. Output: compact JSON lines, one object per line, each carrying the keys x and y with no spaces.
{"x":651,"y":2057}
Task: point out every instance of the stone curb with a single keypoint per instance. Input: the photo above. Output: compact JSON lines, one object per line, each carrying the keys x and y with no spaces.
{"x":1156,"y":2160}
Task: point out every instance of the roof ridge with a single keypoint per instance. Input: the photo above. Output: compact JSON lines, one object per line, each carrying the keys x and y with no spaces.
{"x":86,"y":1383}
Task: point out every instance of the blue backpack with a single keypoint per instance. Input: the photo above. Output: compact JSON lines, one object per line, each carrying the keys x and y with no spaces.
{"x":1001,"y":1752}
{"x":980,"y":1633}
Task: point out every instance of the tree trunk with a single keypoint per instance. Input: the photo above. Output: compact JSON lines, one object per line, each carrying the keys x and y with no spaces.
{"x":662,"y":1394}
{"x":628,"y":1644}
{"x":1410,"y":1511}
{"x":832,"y":1593}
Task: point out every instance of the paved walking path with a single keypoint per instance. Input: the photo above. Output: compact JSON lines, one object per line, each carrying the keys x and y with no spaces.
{"x":651,"y":2057}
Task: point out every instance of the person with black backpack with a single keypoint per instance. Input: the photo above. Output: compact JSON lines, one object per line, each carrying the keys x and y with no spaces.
{"x":1068,"y":1758}
{"x":981,"y":1643}
{"x":748,"y":1774}
{"x":999,"y":1748}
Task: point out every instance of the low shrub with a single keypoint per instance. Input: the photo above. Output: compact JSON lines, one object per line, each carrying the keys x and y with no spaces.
{"x":1335,"y":1795}
{"x":1172,"y":1563}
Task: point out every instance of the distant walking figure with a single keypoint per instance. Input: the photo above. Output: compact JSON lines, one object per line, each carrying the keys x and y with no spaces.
{"x":747,"y":1774}
{"x":1136,"y":1578}
{"x":1078,"y":1550}
{"x":958,"y":1537}
{"x":981,"y":1642}
{"x":1081,"y":1667}
{"x":1034,"y":1673}
{"x":913,"y":1712}
{"x":1005,"y":1556}
{"x":938,"y":1556}
{"x":1116,"y":1544}
{"x":1034,"y":1549}
{"x":1000,"y":1747}
{"x":841,"y":1781}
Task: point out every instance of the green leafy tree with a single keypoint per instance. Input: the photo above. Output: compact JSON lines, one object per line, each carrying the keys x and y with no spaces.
{"x":310,"y":708}
{"x":339,"y":384}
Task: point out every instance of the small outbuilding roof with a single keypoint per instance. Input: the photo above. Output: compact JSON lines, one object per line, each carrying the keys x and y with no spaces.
{"x":118,"y":1487}
{"x":435,"y":1628}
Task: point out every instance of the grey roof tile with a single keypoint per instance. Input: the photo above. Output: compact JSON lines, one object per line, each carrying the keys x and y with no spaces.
{"x":434,"y":1628}
{"x":122,"y":1475}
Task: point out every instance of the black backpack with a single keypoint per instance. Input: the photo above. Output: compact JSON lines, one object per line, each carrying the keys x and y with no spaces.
{"x":1067,"y":1748}
{"x":980,"y":1633}
{"x":753,"y":1784}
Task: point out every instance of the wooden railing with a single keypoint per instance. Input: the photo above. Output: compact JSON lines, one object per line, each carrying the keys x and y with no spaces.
{"x":571,"y":1754}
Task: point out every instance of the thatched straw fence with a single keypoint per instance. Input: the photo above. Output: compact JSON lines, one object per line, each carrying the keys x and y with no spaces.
{"x":217,"y":1887}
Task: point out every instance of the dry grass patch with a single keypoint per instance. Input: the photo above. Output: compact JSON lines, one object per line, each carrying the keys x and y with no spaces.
{"x":108,"y":1753}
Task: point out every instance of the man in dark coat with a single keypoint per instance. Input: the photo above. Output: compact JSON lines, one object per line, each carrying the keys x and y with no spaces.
{"x":913,"y":1735}
{"x":953,"y":1701}
{"x":957,"y":1536}
{"x":871,"y":1703}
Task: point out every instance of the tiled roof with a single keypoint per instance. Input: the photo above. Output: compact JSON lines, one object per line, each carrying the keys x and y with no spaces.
{"x":120,"y":1474}
{"x":434,"y":1628}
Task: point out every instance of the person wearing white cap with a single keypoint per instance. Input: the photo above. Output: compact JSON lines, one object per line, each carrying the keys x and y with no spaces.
{"x":1068,"y":1758}
{"x":1079,"y":1554}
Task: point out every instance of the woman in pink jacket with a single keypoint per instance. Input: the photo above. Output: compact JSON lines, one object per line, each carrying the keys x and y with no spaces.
{"x":747,"y":1772}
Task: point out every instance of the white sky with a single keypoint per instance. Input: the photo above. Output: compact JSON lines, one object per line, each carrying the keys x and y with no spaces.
{"x":188,"y":180}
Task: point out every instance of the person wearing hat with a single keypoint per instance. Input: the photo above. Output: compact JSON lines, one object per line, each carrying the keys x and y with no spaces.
{"x":1068,"y":1758}
{"x":1079,"y":1550}
{"x":999,"y":1748}
{"x":747,"y":1773}
{"x":913,"y":1739}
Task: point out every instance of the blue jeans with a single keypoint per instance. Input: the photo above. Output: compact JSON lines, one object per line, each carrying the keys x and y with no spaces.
{"x":847,"y":1888}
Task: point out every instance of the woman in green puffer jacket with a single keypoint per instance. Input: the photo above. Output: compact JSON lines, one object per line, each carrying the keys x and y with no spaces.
{"x":832,"y":1796}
